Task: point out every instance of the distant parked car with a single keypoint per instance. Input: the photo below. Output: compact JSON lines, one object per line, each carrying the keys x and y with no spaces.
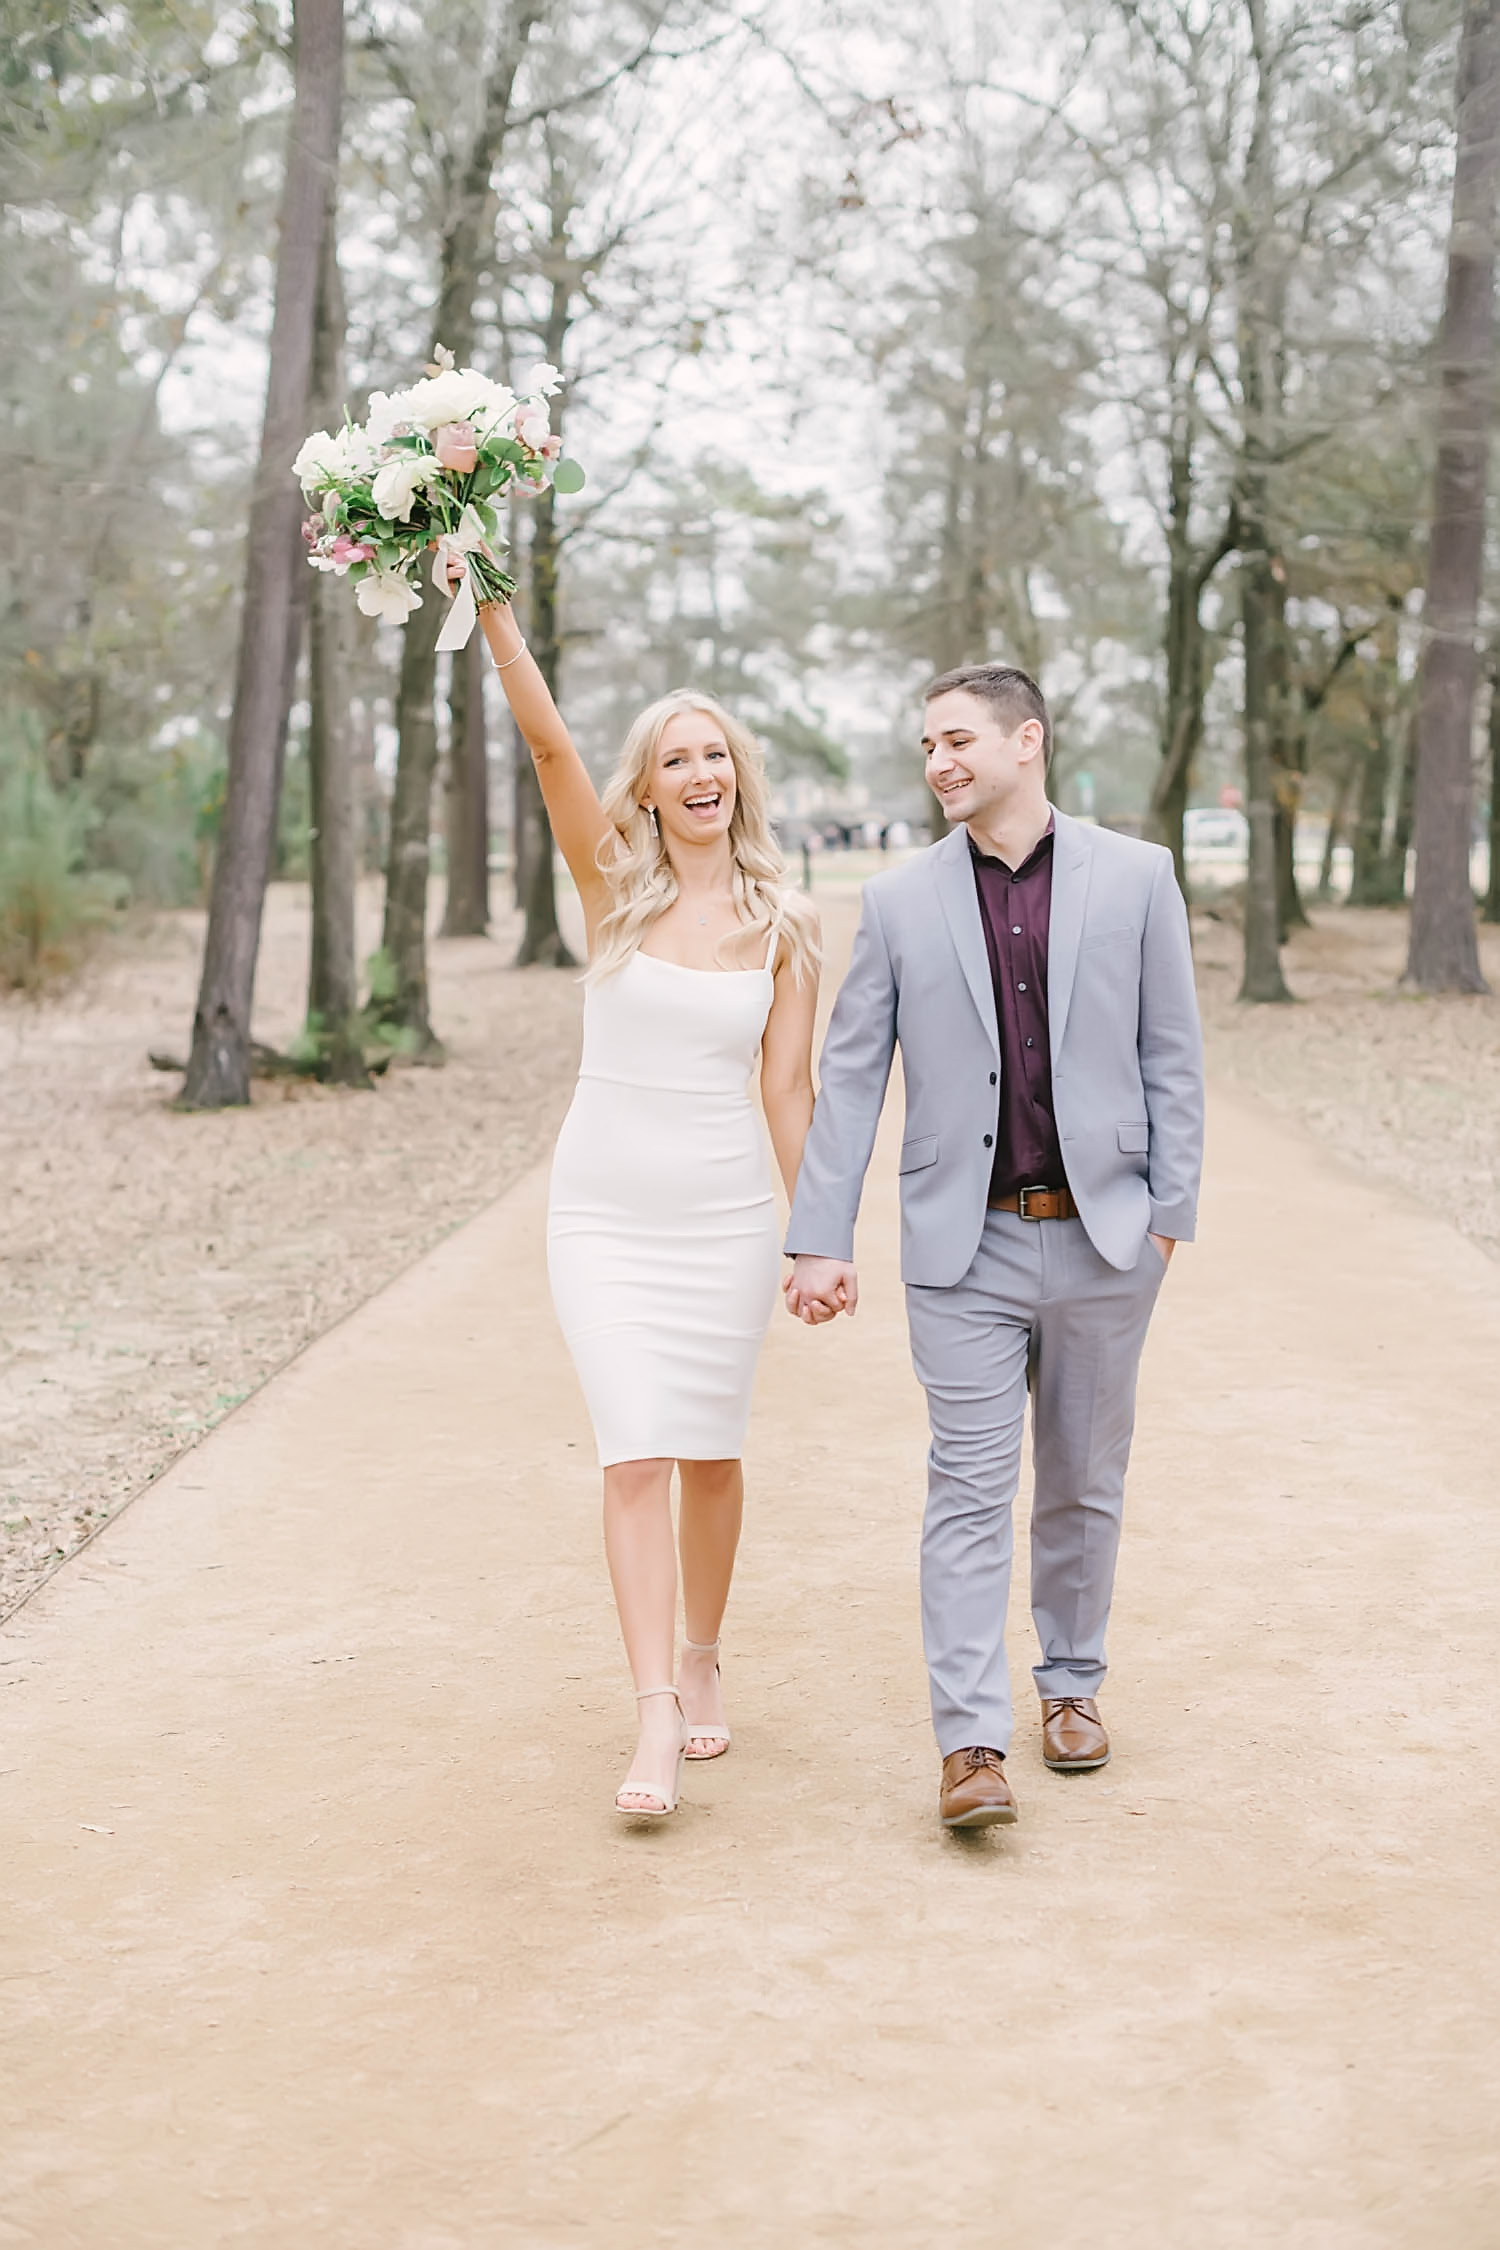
{"x":1215,"y":828}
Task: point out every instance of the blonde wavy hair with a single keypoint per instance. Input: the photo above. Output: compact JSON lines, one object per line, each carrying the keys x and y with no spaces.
{"x":642,"y":884}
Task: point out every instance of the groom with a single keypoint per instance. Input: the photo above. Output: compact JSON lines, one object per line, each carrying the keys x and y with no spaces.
{"x":1038,"y":978}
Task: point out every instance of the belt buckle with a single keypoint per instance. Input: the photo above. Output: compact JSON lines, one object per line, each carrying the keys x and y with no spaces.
{"x":1021,"y":1195}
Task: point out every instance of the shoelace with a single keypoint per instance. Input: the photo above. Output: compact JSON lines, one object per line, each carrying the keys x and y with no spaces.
{"x":980,"y":1760}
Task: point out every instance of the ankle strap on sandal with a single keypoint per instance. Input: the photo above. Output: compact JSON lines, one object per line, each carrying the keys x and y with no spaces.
{"x":642,"y":1693}
{"x":703,"y":1648}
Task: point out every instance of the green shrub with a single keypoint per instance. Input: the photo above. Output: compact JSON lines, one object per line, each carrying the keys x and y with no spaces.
{"x":155,"y":817}
{"x":50,"y":898}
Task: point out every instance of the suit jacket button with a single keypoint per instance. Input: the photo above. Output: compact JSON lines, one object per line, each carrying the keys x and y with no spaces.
{"x":989,"y":1140}
{"x":994,"y":1081}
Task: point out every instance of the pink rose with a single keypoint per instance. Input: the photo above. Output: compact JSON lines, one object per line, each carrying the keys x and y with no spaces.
{"x":531,"y":428}
{"x":455,"y":447}
{"x":550,"y":448}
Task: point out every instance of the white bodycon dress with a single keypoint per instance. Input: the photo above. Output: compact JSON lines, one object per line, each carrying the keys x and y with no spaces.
{"x":662,"y":1239}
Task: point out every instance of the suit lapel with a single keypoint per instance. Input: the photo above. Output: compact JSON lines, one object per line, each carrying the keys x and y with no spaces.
{"x":1072,"y":858}
{"x":959,"y":894}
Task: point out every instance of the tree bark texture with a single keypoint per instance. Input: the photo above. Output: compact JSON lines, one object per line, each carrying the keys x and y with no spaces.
{"x":1369,"y":882}
{"x":465,"y":250}
{"x":1443,"y":955}
{"x":1401,"y":828}
{"x":466,"y":911}
{"x":542,"y":943}
{"x":1182,"y":720}
{"x":1492,"y":888}
{"x":541,"y":939}
{"x":1288,"y":760}
{"x":333,"y":1025}
{"x":1262,"y":979}
{"x":218,"y":1072}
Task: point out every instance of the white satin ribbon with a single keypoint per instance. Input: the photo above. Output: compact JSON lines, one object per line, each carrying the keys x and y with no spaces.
{"x":454,"y":545}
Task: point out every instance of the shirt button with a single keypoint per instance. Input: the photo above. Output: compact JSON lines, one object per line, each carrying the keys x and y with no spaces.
{"x":1030,"y":1043}
{"x":1015,"y":929}
{"x":989,"y":1140}
{"x":1020,"y":988}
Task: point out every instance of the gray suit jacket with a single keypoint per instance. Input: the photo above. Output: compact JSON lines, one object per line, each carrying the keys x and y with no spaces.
{"x":1127,"y":1055}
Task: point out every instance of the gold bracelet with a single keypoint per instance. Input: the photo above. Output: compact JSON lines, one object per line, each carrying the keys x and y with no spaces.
{"x":520,"y":652}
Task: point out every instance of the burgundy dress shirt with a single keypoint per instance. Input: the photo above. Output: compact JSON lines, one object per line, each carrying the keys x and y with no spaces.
{"x":1015,"y":906}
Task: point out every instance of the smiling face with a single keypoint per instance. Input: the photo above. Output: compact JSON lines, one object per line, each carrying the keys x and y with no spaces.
{"x":976,"y":767}
{"x":692,"y":784}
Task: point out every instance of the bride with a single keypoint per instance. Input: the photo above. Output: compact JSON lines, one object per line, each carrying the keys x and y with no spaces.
{"x":662,"y":1237}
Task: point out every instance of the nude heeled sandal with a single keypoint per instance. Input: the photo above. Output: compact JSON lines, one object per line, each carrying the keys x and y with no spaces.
{"x":704,"y":1734}
{"x":649,"y":1788}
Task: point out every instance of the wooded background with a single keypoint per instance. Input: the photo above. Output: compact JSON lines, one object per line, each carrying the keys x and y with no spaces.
{"x":1148,"y":345}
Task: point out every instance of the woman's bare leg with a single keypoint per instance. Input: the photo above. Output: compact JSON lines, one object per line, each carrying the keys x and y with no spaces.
{"x":713,"y":1500}
{"x":643,"y":1572}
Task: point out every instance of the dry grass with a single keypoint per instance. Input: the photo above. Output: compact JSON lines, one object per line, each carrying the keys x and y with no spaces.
{"x":1405,"y":1089}
{"x":156,"y":1267}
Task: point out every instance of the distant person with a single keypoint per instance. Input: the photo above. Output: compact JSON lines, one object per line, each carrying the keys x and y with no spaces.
{"x":662,"y":1237}
{"x":1037,"y":976}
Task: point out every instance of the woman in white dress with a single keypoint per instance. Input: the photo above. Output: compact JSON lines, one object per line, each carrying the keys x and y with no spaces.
{"x":663,"y":1241}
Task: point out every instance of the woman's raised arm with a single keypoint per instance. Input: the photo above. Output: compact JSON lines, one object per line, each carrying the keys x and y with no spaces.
{"x":568,"y":791}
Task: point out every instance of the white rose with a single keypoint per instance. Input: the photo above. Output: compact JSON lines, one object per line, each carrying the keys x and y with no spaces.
{"x":397,"y":483}
{"x":385,"y":593}
{"x":532,"y":425}
{"x":544,"y":379}
{"x":318,"y":465}
{"x":494,"y":406}
{"x":386,"y":411}
{"x":454,"y":396}
{"x":355,"y":453}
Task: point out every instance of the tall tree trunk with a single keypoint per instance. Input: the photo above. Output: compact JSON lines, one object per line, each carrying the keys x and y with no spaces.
{"x":1262,"y":978}
{"x":1369,"y":878}
{"x":541,"y":940}
{"x":403,"y":1006}
{"x":1492,"y":888}
{"x":1444,"y":948}
{"x":1399,"y":850}
{"x":333,"y":1024}
{"x":466,"y":910}
{"x":1288,"y":758}
{"x":520,"y":809}
{"x":1182,"y":720}
{"x":218,"y":1072}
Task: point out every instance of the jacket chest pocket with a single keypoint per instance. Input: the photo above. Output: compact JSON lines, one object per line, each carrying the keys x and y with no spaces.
{"x":919,"y":1152}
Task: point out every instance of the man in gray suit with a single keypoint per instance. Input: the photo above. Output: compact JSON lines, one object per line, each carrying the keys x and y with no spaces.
{"x":1037,"y":975}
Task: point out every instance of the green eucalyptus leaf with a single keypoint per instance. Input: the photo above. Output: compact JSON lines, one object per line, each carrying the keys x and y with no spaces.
{"x":568,"y":476}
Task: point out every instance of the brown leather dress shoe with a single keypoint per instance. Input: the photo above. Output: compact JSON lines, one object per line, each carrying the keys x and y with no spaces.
{"x":1073,"y":1736}
{"x":975,"y":1792}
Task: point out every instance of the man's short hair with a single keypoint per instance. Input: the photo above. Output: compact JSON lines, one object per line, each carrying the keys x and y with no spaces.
{"x":1012,"y":695}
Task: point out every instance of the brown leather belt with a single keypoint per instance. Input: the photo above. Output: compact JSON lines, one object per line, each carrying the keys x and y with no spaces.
{"x":1037,"y":1203}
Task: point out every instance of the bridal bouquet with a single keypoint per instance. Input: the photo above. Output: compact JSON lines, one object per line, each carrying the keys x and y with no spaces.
{"x":425,"y":469}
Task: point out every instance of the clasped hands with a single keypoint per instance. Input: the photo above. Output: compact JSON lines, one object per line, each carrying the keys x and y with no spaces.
{"x":817,"y":1289}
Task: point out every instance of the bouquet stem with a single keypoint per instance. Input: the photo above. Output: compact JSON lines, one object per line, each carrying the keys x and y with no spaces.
{"x":491,"y":584}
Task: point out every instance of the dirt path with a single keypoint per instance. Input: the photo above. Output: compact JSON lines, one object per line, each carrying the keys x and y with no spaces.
{"x":319,"y":1930}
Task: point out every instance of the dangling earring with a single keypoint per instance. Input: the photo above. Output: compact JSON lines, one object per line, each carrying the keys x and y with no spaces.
{"x":655,"y":823}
